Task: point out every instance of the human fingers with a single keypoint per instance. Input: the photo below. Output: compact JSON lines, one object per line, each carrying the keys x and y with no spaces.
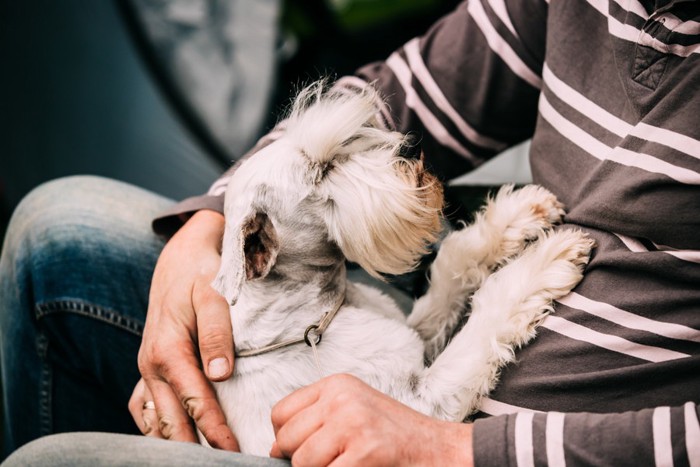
{"x":323,"y":447}
{"x":294,"y":403}
{"x":299,"y":416}
{"x":171,"y":419}
{"x":181,"y":391}
{"x":193,"y":398}
{"x":149,"y":415}
{"x":297,"y":430}
{"x":335,"y":427}
{"x":182,"y":394}
{"x":214,"y":332}
{"x":136,"y":402}
{"x":142,"y":409}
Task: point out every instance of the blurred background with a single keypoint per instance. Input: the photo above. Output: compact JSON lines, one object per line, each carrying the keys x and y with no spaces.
{"x":166,"y":94}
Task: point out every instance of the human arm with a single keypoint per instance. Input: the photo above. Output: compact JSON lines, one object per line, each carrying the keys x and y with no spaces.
{"x":340,"y":419}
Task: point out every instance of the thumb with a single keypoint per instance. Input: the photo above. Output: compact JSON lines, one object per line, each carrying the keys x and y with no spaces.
{"x":215,"y":335}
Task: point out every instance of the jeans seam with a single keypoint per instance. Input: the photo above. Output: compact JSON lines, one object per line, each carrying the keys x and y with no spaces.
{"x":106,"y":315}
{"x":45,"y":385}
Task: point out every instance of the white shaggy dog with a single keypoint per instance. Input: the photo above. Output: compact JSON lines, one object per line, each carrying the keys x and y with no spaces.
{"x":334,"y":188}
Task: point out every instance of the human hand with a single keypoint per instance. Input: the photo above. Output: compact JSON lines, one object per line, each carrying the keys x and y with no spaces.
{"x":187,"y":323}
{"x":340,"y":419}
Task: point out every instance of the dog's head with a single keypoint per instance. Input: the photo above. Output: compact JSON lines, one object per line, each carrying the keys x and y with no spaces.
{"x":334,"y":181}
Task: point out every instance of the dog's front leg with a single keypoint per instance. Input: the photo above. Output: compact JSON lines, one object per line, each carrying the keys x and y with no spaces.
{"x":505,"y":311}
{"x":466,"y":257}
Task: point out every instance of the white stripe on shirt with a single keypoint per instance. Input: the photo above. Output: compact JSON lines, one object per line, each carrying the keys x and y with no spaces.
{"x":686,"y":255}
{"x":630,"y":33}
{"x":630,"y":320}
{"x":524,"y":451}
{"x":494,"y":407}
{"x":632,"y":244}
{"x":692,"y":433}
{"x":635,"y":246}
{"x":616,"y":125}
{"x":677,"y":25}
{"x":620,"y":155}
{"x":421,"y":72}
{"x":677,"y":141}
{"x":432,"y":124}
{"x":584,"y":105}
{"x":633,"y":6}
{"x":501,"y":47}
{"x":608,"y":341}
{"x":661,"y":429}
{"x":499,"y":7}
{"x":554,"y":435}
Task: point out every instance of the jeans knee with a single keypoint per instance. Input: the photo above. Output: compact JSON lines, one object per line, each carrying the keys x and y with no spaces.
{"x":49,"y":210}
{"x":71,"y":210}
{"x":82,"y":240}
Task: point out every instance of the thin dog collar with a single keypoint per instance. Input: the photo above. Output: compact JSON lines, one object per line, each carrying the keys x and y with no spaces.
{"x":316,"y":329}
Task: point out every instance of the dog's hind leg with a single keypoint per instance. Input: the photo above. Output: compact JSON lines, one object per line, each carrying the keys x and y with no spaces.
{"x":505,"y":312}
{"x":466,"y":257}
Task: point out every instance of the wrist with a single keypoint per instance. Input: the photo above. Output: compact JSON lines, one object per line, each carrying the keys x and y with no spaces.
{"x":458,"y":449}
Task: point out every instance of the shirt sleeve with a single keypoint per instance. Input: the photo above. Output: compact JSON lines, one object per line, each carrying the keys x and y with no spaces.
{"x":468,"y":89}
{"x":655,"y":436}
{"x":465,"y":91}
{"x":171,"y":220}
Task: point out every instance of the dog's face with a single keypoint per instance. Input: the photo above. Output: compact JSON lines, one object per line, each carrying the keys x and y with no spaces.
{"x":328,"y":186}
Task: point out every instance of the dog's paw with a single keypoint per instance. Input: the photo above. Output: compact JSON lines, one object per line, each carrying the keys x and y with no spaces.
{"x":523,"y":216}
{"x":574,"y":246}
{"x":557,"y":261}
{"x":522,"y":292}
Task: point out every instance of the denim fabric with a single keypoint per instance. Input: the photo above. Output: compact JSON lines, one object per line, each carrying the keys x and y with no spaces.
{"x":74,"y":278}
{"x":90,"y":449}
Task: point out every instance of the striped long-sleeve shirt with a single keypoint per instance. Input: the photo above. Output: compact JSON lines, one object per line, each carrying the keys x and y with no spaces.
{"x":609,"y":92}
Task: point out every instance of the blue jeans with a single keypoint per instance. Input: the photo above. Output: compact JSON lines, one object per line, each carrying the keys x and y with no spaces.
{"x":75,"y":272}
{"x":92,"y":449}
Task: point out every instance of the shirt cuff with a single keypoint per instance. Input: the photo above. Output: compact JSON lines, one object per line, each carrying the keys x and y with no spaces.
{"x":490,"y":441}
{"x":170,"y":221}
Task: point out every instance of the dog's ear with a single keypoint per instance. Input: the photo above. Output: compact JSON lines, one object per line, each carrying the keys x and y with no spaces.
{"x":260,"y":245}
{"x":249,"y":250}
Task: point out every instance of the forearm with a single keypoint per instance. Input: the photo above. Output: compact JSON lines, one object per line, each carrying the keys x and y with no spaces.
{"x":662,"y":435}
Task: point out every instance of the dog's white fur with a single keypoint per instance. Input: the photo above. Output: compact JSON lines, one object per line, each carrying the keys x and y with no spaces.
{"x":335,"y":188}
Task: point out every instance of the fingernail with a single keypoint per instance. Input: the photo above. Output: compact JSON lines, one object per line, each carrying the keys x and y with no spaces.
{"x":218,"y":367}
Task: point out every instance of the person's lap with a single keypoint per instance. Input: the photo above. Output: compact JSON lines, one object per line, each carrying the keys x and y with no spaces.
{"x":89,"y":449}
{"x":74,"y":279}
